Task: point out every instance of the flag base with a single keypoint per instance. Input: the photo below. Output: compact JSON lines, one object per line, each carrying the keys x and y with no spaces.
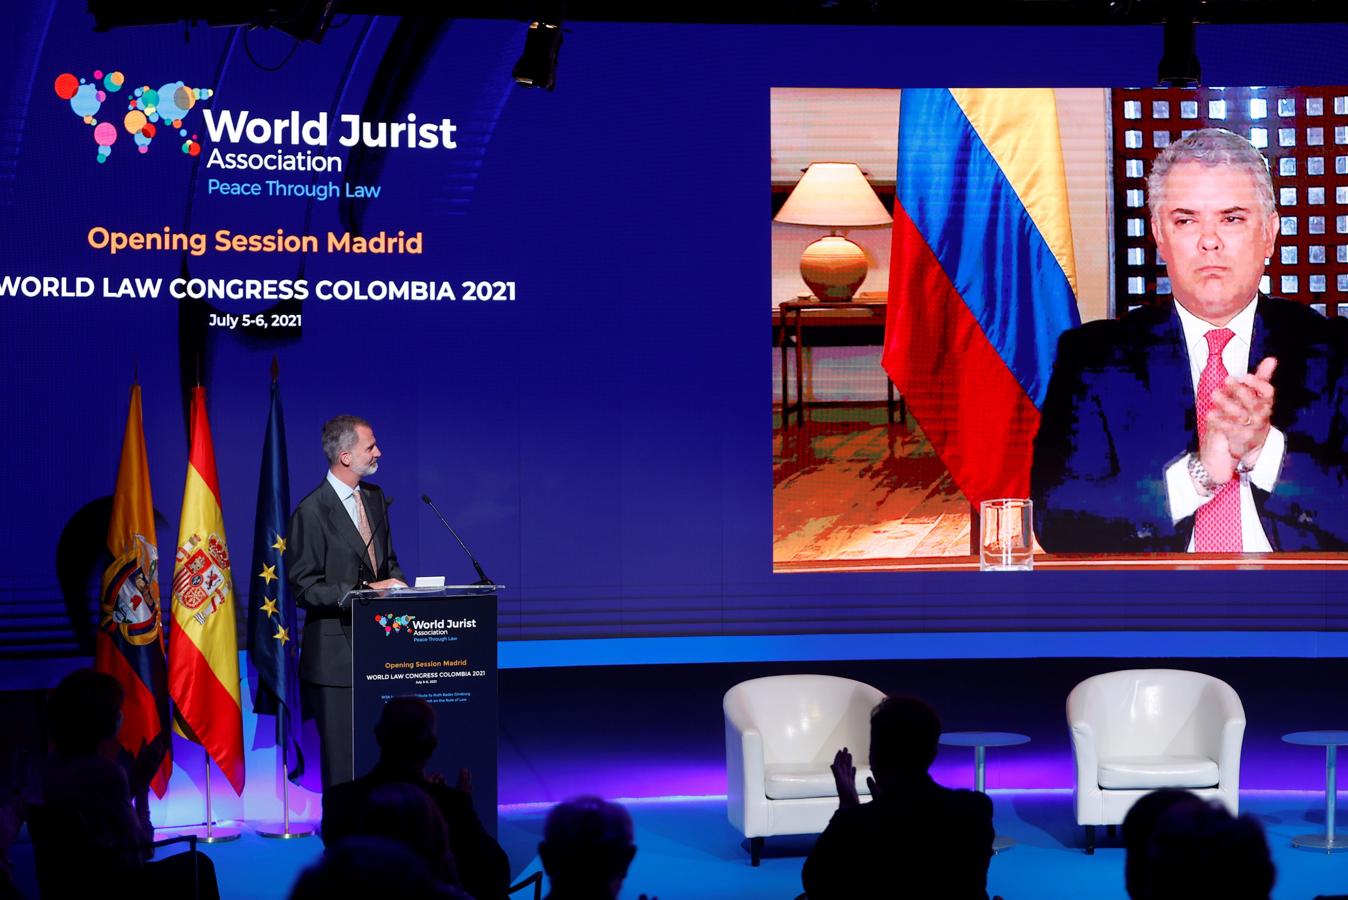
{"x":211,"y":833}
{"x":285,"y":830}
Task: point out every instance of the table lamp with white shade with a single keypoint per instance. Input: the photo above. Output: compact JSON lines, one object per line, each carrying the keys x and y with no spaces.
{"x":834,"y":195}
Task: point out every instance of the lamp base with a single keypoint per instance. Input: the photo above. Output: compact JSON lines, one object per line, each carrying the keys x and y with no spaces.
{"x":834,"y":268}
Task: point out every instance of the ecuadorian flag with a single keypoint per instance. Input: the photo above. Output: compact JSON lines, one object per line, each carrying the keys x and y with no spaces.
{"x":204,"y":646}
{"x":982,"y":276}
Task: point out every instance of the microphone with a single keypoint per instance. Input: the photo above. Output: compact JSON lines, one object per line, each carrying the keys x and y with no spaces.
{"x":483,"y":579}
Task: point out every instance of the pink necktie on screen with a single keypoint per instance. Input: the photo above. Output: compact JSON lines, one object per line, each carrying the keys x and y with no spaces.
{"x":1217,"y":522}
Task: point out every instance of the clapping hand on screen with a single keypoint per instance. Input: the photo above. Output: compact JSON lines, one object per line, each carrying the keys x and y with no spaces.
{"x":1238,"y":422}
{"x":1241,"y":410}
{"x":845,"y":778}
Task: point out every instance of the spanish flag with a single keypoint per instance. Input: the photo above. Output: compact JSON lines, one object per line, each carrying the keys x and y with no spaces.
{"x":130,"y":642}
{"x":982,"y":278}
{"x":204,"y":650}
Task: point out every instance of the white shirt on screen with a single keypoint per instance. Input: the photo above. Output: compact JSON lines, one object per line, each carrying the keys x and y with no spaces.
{"x":348,"y":497}
{"x":1180,"y":488}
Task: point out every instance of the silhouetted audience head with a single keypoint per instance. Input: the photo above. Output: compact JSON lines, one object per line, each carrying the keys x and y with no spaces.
{"x":369,"y":867}
{"x":904,"y":735}
{"x":1201,"y":850}
{"x":84,"y":710}
{"x":587,"y":847}
{"x":406,"y":814}
{"x":1138,"y":826}
{"x":406,"y":730}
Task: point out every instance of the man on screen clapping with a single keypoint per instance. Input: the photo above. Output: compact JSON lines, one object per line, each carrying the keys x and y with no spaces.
{"x":1216,"y":423}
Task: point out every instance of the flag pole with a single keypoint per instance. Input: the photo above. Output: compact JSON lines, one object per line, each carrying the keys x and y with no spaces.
{"x":213,"y":834}
{"x":285,"y":795}
{"x":268,"y":830}
{"x":210,"y":817}
{"x":210,"y":833}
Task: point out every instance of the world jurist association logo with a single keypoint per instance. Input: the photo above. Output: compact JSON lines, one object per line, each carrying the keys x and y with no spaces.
{"x":391,"y":623}
{"x":149,"y":112}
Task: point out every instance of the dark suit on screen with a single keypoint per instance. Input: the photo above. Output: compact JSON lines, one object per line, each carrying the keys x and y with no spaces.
{"x":1120,"y":409}
{"x":920,"y":842}
{"x":325,"y":560}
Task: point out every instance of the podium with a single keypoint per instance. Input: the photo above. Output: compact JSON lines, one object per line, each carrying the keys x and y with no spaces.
{"x":438,"y":644}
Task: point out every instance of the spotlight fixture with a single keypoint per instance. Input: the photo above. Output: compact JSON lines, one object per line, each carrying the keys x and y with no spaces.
{"x":305,"y":20}
{"x":537,"y":66}
{"x":1179,"y":65}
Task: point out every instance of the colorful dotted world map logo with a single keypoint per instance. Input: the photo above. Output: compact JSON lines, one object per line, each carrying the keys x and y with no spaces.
{"x":149,"y":111}
{"x":391,"y":623}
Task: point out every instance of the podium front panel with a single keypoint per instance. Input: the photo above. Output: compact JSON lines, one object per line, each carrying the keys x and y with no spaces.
{"x":440,"y":647}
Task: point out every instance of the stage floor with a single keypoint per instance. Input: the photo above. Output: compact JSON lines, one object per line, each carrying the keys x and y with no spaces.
{"x":686,"y":849}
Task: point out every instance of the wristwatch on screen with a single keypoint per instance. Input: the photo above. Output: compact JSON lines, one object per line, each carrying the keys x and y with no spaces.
{"x":1199,"y":473}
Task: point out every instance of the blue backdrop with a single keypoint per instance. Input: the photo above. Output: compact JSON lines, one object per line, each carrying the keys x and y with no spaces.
{"x":604,"y":440}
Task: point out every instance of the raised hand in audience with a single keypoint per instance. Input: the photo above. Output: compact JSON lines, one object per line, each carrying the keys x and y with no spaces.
{"x":845,"y":777}
{"x":463,"y":783}
{"x":147,"y":763}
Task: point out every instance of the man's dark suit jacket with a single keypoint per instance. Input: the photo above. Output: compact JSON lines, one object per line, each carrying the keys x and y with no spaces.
{"x":483,"y":866}
{"x":325,"y":559}
{"x":922,"y":842}
{"x":1120,"y":409}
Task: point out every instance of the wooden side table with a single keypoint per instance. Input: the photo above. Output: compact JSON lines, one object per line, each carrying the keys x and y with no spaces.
{"x":798,"y":317}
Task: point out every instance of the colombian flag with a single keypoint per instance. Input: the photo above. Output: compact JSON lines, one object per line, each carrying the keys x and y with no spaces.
{"x":204,"y":651}
{"x":982,"y":277}
{"x":130,"y":642}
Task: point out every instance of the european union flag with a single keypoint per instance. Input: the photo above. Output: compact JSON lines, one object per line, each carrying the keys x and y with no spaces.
{"x":272,"y":625}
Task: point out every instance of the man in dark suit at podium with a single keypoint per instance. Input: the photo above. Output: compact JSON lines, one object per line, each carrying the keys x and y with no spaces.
{"x":339,"y":542}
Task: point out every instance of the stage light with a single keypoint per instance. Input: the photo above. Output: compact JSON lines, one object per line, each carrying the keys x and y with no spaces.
{"x":537,"y":66}
{"x":1179,"y":58}
{"x":305,"y":20}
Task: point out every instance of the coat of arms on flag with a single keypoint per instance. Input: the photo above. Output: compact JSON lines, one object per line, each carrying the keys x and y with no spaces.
{"x":202,"y":578}
{"x":130,"y":601}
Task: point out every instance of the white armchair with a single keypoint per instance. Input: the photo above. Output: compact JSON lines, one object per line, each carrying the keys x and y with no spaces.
{"x":1138,"y":730}
{"x":781,"y":734}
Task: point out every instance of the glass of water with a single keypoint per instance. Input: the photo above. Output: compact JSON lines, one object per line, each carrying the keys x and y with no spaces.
{"x":1006,"y":535}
